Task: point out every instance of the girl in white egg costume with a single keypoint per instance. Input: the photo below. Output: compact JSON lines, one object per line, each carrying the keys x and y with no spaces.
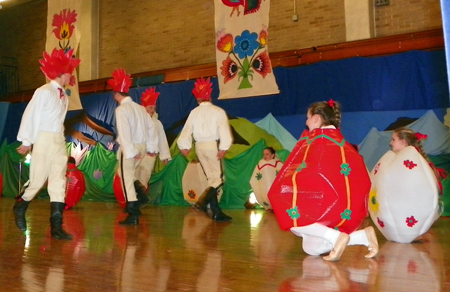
{"x":263,"y":176}
{"x":405,"y":198}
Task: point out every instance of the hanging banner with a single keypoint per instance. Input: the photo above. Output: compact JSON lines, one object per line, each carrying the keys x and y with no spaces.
{"x":62,"y":33}
{"x":243,"y":65}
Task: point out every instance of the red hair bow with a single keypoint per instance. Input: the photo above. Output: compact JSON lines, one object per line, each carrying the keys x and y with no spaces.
{"x":420,"y":136}
{"x":331,"y":102}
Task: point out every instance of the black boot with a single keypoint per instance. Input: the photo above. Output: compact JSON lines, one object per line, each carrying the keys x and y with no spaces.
{"x":19,"y":209}
{"x":202,"y":203}
{"x":56,"y":221}
{"x":133,"y":214}
{"x":142,"y":197}
{"x":218,"y":215}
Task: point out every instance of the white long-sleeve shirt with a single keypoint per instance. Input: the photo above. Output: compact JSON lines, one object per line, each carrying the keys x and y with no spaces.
{"x":46,"y":111}
{"x":206,"y":123}
{"x":163,"y":145}
{"x":134,"y":126}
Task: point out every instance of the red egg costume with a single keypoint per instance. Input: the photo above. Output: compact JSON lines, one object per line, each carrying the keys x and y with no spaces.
{"x":324,"y":180}
{"x":118,"y":191}
{"x":75,"y":186}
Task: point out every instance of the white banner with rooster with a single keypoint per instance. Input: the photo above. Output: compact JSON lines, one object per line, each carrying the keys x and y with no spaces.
{"x":62,"y":33}
{"x":243,"y":65}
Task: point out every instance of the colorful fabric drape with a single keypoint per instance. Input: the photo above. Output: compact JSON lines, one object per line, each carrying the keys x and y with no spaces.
{"x":62,"y":33}
{"x":243,"y":65}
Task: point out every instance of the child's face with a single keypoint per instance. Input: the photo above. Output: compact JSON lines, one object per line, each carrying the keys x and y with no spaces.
{"x":267,"y":155}
{"x":397,"y":144}
{"x":313,"y":121}
{"x":150,"y":109}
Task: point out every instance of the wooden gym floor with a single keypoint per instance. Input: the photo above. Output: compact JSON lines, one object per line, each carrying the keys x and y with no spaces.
{"x":179,"y":249}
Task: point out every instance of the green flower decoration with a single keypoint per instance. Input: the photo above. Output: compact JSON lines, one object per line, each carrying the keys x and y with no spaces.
{"x":258,"y":176}
{"x":293,"y":213}
{"x":346,"y":214}
{"x":301,"y":166}
{"x":345,"y":169}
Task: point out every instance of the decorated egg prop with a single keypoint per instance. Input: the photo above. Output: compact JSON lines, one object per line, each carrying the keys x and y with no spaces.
{"x":404,"y":199}
{"x":262,"y":178}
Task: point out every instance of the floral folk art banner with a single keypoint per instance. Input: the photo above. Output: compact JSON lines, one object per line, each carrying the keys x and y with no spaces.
{"x":243,"y":65}
{"x":62,"y":33}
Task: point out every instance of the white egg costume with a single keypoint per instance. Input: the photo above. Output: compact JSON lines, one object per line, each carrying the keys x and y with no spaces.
{"x":404,"y":199}
{"x":194,"y":183}
{"x":262,"y":178}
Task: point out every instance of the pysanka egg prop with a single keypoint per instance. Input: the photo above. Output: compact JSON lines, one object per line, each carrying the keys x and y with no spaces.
{"x":262,"y":178}
{"x":194,"y":183}
{"x":118,"y":191}
{"x":75,"y":186}
{"x":404,"y":199}
{"x":324,"y":180}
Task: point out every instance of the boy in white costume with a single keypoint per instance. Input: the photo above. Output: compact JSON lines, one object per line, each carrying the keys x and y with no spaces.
{"x":145,"y":169}
{"x":208,"y":125}
{"x":42,"y":132}
{"x":136,"y":137}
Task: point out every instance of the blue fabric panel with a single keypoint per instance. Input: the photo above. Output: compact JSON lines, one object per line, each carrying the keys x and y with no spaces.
{"x":14,"y":115}
{"x":415,"y":80}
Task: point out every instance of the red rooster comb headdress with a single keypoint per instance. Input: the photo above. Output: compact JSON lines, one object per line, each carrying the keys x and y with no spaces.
{"x":120,"y":82}
{"x":58,"y":63}
{"x":202,"y":89}
{"x":149,"y":97}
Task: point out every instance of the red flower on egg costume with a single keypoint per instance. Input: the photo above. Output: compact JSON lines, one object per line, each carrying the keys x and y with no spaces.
{"x":324,"y":180}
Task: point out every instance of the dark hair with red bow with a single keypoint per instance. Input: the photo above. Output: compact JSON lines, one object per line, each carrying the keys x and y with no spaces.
{"x":330,"y":112}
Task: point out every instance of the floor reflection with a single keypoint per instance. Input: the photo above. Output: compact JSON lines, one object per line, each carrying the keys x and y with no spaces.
{"x":411,"y":267}
{"x":320,"y":275}
{"x":179,"y":249}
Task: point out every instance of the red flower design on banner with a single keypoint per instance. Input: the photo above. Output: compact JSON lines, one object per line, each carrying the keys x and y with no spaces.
{"x":229,"y":69}
{"x":225,"y":43}
{"x":262,"y":64}
{"x":64,"y":26}
{"x":409,"y":164}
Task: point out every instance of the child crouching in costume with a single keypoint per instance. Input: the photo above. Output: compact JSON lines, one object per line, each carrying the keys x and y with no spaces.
{"x":321,"y":192}
{"x":404,"y":199}
{"x":263,"y":176}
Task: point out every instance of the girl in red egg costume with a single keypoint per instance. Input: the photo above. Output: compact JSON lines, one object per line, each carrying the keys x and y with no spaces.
{"x":321,"y":193}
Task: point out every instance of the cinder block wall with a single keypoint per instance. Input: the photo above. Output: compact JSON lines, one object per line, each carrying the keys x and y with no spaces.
{"x":155,"y":35}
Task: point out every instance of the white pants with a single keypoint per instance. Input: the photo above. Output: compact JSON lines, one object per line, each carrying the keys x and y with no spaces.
{"x":48,"y":161}
{"x":145,"y":169}
{"x":319,"y":239}
{"x":207,"y":154}
{"x":126,"y":171}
